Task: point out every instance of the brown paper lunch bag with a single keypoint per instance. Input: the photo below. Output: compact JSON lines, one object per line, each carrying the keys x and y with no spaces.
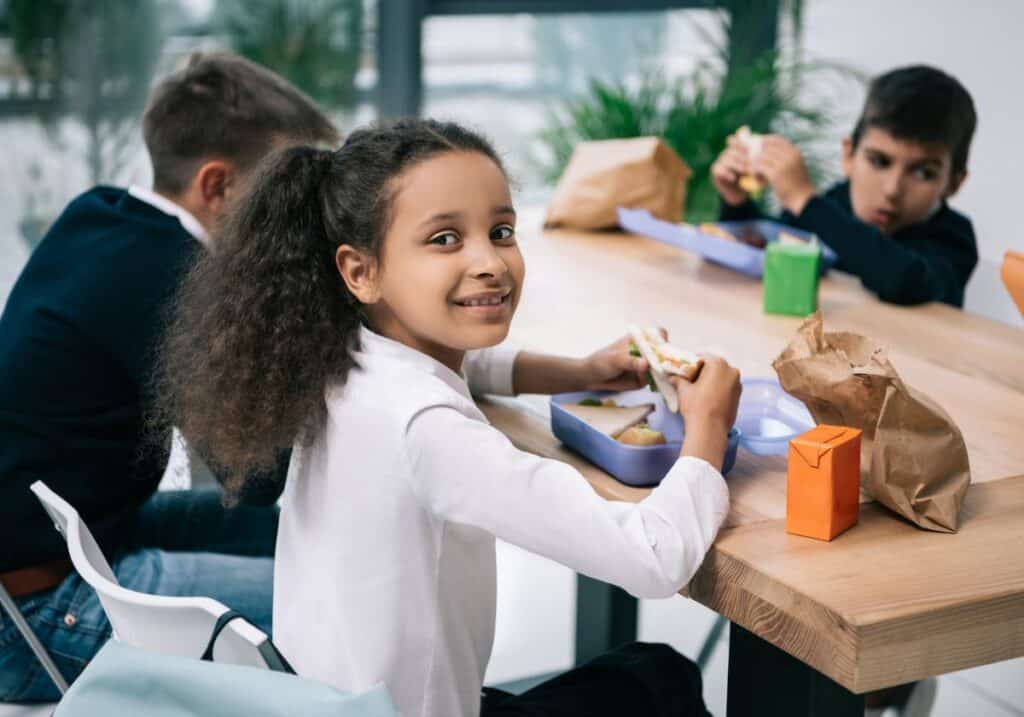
{"x":640,"y":173}
{"x":913,"y":456}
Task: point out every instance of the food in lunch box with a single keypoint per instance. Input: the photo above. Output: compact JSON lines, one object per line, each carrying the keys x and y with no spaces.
{"x":665,"y":360}
{"x":717,"y":231}
{"x":641,"y":435}
{"x":610,"y":420}
{"x":748,"y":235}
{"x":610,"y":402}
{"x":753,"y":142}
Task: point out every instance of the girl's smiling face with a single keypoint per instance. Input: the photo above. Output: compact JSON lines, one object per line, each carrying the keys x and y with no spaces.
{"x":450,"y":272}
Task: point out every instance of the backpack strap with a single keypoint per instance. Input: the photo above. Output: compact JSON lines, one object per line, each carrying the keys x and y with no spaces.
{"x":268,"y":650}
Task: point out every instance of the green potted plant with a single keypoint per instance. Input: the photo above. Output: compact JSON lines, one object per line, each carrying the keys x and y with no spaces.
{"x":91,"y":62}
{"x":314,"y":44}
{"x":696,"y":113}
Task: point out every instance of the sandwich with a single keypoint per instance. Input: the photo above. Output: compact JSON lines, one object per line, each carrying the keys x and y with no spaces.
{"x":665,"y":360}
{"x":626,"y":424}
{"x":717,"y":232}
{"x":610,"y":420}
{"x":641,"y":435}
{"x":753,"y":142}
{"x":746,"y":234}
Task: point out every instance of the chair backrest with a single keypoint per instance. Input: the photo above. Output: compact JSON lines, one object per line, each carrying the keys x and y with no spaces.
{"x":1012,"y":273}
{"x":173,"y":625}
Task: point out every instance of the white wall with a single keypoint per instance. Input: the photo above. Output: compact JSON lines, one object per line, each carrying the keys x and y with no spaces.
{"x":977,"y":41}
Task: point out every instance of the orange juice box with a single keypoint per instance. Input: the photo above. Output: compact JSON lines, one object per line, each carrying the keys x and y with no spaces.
{"x":823,"y":482}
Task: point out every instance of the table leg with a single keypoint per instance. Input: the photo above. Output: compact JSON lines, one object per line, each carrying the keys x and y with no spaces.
{"x":606,"y":617}
{"x":764,"y":680}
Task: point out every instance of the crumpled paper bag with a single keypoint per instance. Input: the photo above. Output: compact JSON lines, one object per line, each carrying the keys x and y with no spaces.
{"x":913,"y":457}
{"x":641,"y":173}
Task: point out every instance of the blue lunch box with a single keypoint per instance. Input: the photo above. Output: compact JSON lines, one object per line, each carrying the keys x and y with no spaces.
{"x":738,"y":256}
{"x":634,"y":465}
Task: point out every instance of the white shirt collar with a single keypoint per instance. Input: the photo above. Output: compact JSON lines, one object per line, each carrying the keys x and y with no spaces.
{"x":374,"y":344}
{"x":165,"y":205}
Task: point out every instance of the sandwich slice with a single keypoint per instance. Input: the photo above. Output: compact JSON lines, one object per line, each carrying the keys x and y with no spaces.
{"x":610,"y":420}
{"x":641,"y":435}
{"x":665,"y":360}
{"x":753,"y":142}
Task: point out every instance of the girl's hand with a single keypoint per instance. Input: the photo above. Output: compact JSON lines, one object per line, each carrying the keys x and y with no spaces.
{"x":708,"y":406}
{"x":614,"y":369}
{"x":731,"y":164}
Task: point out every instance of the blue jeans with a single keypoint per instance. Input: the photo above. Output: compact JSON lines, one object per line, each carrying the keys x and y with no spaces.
{"x":184,"y":543}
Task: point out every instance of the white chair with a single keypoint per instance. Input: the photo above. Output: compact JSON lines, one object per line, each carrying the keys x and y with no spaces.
{"x":172,"y":625}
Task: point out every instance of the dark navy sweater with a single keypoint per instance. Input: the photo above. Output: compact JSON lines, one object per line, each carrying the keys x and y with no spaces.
{"x":928,"y":261}
{"x":77,"y":340}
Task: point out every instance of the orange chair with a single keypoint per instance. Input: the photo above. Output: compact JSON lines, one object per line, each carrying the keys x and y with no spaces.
{"x":1013,"y":276}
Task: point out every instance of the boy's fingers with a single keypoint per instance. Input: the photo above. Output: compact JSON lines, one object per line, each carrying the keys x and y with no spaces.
{"x":774,"y":141}
{"x":734,"y":142}
{"x":734,"y":165}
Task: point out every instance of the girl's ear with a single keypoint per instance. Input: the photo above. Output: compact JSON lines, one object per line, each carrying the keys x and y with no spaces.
{"x":359,"y":272}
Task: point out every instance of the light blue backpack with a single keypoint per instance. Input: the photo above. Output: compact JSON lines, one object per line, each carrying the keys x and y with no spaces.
{"x":126,"y":680}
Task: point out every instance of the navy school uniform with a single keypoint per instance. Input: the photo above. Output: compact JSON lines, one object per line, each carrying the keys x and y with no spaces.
{"x":928,"y":261}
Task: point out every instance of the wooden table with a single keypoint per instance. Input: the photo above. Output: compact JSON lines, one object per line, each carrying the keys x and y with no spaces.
{"x":885,"y":603}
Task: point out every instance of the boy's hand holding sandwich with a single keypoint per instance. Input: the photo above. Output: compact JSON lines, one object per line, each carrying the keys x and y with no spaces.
{"x":749,"y":159}
{"x":730,"y":169}
{"x":782,"y":165}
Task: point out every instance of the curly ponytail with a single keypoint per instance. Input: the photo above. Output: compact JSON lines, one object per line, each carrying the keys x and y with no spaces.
{"x":260,"y":320}
{"x":264,"y":320}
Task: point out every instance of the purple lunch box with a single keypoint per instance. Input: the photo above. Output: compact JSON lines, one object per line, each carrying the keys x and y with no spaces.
{"x":634,"y":465}
{"x":740,"y":257}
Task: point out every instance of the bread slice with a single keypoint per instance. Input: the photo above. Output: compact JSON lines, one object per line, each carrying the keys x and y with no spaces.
{"x":665,"y":360}
{"x":749,"y":183}
{"x":641,"y":435}
{"x":610,"y":420}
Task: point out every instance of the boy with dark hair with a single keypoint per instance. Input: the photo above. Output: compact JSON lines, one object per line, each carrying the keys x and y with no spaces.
{"x":888,"y":222}
{"x":80,"y":330}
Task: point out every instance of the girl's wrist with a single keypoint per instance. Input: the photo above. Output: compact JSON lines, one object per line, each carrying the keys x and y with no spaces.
{"x":706,"y":439}
{"x":546,"y":374}
{"x":584,"y":375}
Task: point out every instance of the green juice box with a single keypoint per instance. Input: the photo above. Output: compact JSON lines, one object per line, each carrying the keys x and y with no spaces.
{"x":791,"y":278}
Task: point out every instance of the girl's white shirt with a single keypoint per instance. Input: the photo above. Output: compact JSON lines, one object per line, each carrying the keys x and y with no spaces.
{"x":385,"y":567}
